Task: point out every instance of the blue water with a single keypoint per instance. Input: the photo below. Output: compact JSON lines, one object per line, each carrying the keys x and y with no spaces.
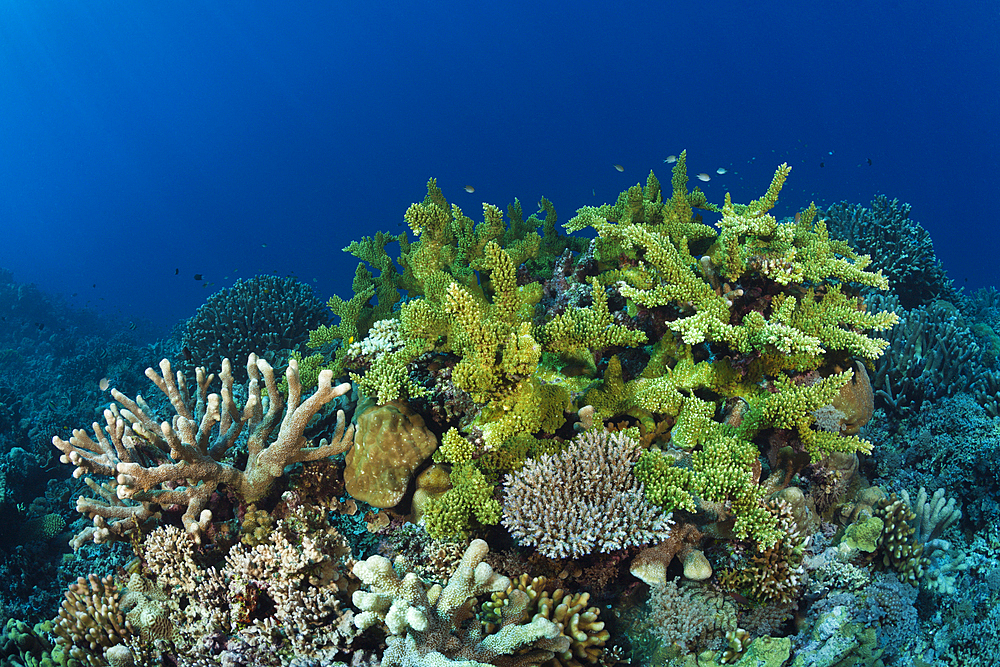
{"x":228,"y":139}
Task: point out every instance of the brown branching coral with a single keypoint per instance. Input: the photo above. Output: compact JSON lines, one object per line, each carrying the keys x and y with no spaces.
{"x":289,"y":590}
{"x":91,"y":620}
{"x":583,"y":500}
{"x":776,"y":574}
{"x":896,"y":547}
{"x":580,"y":623}
{"x":181,"y":461}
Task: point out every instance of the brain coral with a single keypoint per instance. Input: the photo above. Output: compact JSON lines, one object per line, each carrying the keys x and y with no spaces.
{"x":264,"y":314}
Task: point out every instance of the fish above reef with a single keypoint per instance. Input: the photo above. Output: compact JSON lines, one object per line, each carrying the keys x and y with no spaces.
{"x":704,"y":177}
{"x":469,"y":188}
{"x":619,"y":167}
{"x":670,"y":159}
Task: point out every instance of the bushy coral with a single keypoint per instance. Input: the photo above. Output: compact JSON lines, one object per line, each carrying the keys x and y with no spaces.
{"x":689,"y":616}
{"x":933,"y":354}
{"x":900,"y":247}
{"x":582,"y":500}
{"x":264,"y":313}
{"x":776,"y":574}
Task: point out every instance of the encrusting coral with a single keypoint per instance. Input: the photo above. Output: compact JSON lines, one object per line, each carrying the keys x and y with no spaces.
{"x":181,"y":462}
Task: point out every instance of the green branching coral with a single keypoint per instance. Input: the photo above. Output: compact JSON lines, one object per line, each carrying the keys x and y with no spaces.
{"x":469,"y":501}
{"x":663,"y":319}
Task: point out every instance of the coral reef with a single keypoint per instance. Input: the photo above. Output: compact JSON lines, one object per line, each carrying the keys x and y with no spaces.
{"x":669,"y":432}
{"x":267,"y":315}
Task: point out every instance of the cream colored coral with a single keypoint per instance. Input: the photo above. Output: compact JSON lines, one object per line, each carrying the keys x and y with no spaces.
{"x":436,"y":626}
{"x":198,"y":438}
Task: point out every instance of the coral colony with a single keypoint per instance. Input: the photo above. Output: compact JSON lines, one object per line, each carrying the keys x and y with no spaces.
{"x":651,"y":442}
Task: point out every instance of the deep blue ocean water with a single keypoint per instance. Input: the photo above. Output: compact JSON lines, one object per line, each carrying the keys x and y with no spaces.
{"x":230,"y":139}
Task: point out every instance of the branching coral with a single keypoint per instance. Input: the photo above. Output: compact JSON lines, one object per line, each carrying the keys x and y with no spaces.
{"x":577,"y":621}
{"x":260,"y":313}
{"x":91,"y":620}
{"x":900,"y":247}
{"x":776,"y":574}
{"x":182,"y":462}
{"x":583,"y":500}
{"x":430,"y":626}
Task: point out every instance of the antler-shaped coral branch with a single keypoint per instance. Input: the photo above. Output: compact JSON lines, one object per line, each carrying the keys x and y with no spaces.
{"x":180,"y":462}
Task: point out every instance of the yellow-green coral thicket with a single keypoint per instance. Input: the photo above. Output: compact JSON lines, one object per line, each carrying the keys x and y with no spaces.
{"x":661,"y":318}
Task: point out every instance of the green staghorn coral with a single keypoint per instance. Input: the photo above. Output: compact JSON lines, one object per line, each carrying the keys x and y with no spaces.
{"x":662,"y":320}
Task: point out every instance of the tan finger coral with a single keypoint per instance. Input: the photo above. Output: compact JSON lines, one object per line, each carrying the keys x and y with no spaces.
{"x":390,"y":442}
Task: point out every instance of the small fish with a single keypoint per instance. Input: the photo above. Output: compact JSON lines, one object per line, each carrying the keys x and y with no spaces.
{"x":197,"y":276}
{"x":619,"y":167}
{"x":177,"y":272}
{"x":186,"y":353}
{"x":593,"y":191}
{"x":104,"y":384}
{"x":131,"y":325}
{"x":469,"y":189}
{"x":263,"y":245}
{"x":704,"y":177}
{"x":822,"y":164}
{"x":671,"y":159}
{"x":720,"y":171}
{"x":869,"y":162}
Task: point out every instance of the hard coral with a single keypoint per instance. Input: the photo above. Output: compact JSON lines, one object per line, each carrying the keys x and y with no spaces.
{"x":569,"y":612}
{"x":583,"y":500}
{"x":391,"y":441}
{"x":431,"y":625}
{"x":182,"y":462}
{"x":260,"y":313}
{"x":776,"y":574}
